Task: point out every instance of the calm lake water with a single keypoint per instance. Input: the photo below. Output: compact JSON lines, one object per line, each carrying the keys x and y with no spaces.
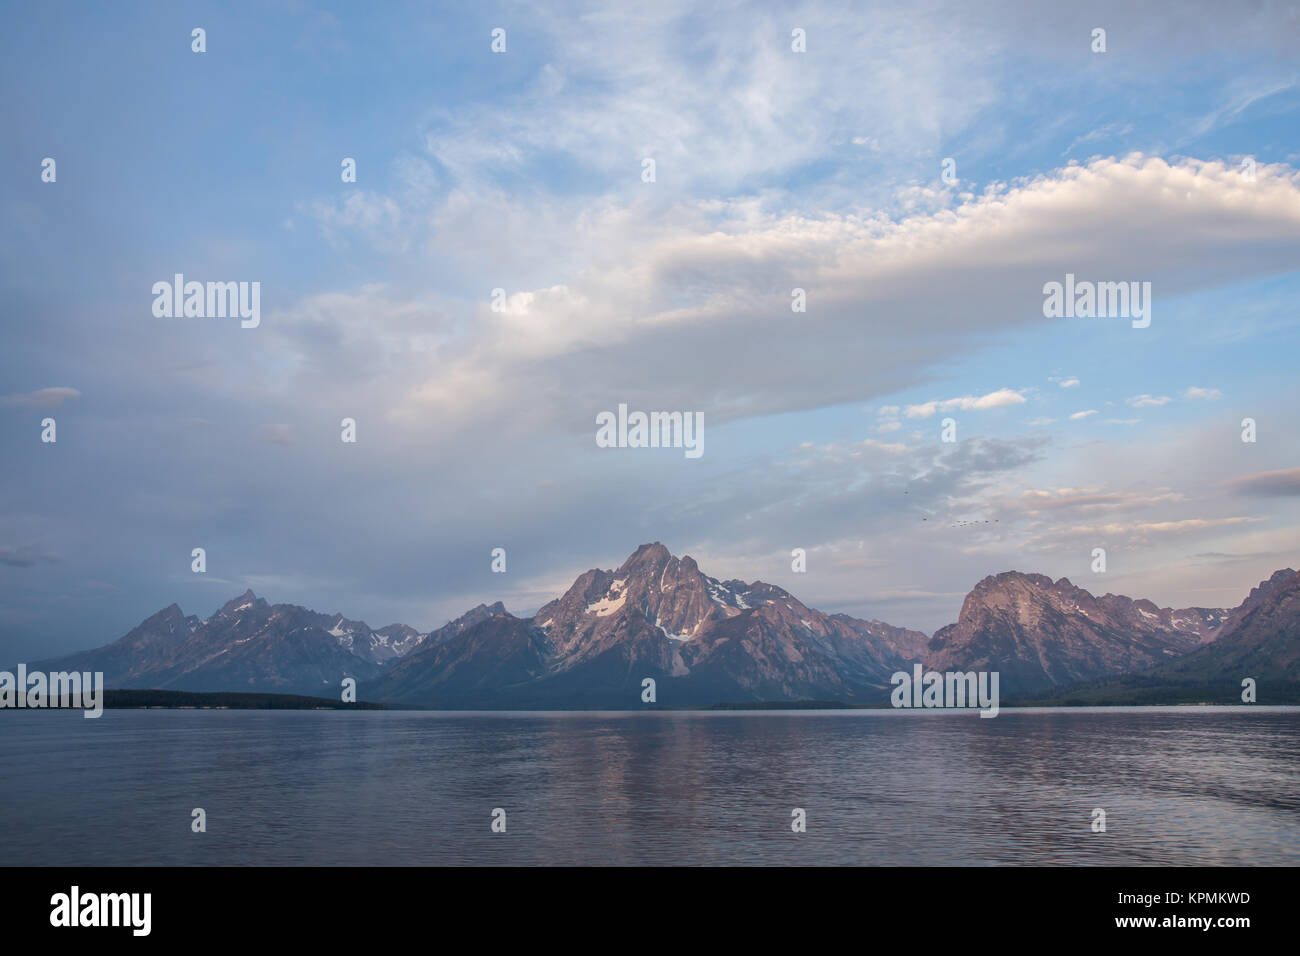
{"x":1179,"y":785}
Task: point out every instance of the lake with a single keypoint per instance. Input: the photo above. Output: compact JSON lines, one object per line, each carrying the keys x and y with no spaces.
{"x":1179,"y":785}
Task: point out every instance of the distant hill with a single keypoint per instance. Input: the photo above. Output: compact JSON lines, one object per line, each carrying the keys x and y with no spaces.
{"x":129,"y":699}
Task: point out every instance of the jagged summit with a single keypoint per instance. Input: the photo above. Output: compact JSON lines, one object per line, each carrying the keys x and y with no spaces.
{"x":244,"y":602}
{"x":653,"y":554}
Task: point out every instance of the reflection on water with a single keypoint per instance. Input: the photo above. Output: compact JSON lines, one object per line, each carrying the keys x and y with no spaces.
{"x":1179,"y":786}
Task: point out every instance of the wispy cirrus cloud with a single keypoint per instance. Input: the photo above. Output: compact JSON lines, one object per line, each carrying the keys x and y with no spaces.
{"x":1038,"y":500}
{"x":41,"y":398}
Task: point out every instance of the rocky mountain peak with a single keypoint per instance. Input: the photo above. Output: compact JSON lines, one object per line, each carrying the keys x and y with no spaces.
{"x":471,"y":618}
{"x":653,"y":555}
{"x":480,"y":612}
{"x":1259,"y":595}
{"x":1277,"y":579}
{"x":1038,"y":632}
{"x":170,"y":613}
{"x":244,"y":602}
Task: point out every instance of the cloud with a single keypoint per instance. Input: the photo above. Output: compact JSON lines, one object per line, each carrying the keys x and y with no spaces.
{"x":1077,"y":416}
{"x":1283,"y":482}
{"x":1109,"y":131}
{"x":1143,"y":401}
{"x":603,"y":90}
{"x":1224,"y":557}
{"x":1241,"y":99}
{"x":1186,"y":524}
{"x":41,"y":398}
{"x":999,"y":399}
{"x":25,"y":556}
{"x":1036,"y":500}
{"x":1207,"y":393}
{"x":1135,"y":531}
{"x":675,"y":295}
{"x":634,"y":284}
{"x":375,"y":218}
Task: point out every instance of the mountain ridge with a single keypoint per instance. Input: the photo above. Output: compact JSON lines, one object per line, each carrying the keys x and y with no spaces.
{"x":1040,"y":633}
{"x":703,"y":640}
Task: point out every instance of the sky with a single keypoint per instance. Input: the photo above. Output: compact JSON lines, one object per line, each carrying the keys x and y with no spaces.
{"x":1169,"y":158}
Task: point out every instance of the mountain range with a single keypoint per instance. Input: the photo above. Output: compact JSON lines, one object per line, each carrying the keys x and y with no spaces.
{"x":704,"y":641}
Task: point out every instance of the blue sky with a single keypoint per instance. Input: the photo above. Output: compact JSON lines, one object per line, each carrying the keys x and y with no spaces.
{"x":522,"y":171}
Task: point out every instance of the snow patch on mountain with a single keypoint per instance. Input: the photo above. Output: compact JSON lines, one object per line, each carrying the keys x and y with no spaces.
{"x":673,"y":637}
{"x":609,"y":604}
